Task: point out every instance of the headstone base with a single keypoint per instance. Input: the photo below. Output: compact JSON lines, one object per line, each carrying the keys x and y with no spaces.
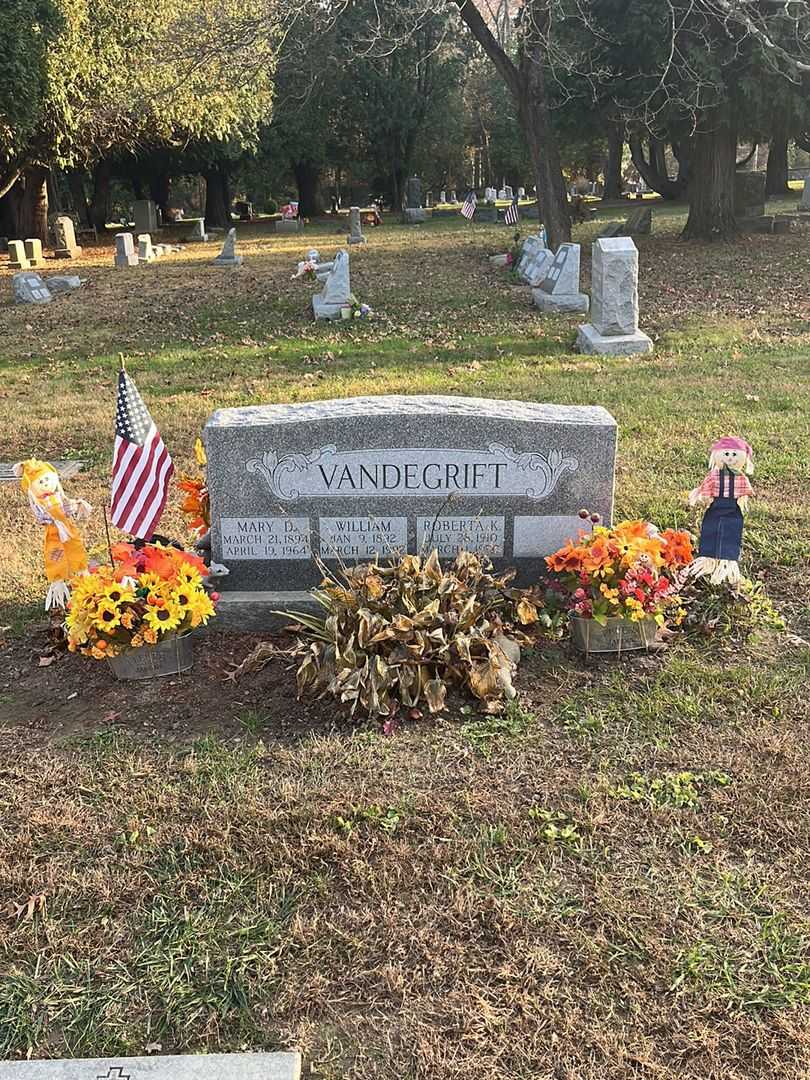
{"x":289,"y":225}
{"x":357,"y":239}
{"x":67,"y":253}
{"x":415,"y":215}
{"x":237,"y":260}
{"x":549,"y":302}
{"x":323,"y":310}
{"x":258,"y":611}
{"x":589,"y":340}
{"x":124,"y":261}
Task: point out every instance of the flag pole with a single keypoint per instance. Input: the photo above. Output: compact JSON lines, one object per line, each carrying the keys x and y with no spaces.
{"x":107,"y":531}
{"x":121,"y":362}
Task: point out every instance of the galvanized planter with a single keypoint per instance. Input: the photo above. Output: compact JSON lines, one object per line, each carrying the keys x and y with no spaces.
{"x":617,"y":636}
{"x":169,"y":657}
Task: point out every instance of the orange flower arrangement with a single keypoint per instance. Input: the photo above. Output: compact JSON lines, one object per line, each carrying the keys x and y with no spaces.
{"x":151,"y":591}
{"x":628,"y":572}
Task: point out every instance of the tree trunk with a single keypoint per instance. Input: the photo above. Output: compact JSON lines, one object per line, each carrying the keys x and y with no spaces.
{"x":613,"y":164}
{"x":534,"y":114}
{"x":159,"y":188}
{"x":652,"y":176}
{"x":776,"y":182}
{"x":10,"y":212}
{"x":711,"y":194}
{"x":308,"y":182}
{"x":217,"y":203}
{"x":32,"y":217}
{"x":101,"y":204}
{"x":527,"y":85}
{"x":75,"y":180}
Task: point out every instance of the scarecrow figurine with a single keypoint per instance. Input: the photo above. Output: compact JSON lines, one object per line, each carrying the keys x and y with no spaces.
{"x":64,"y":551}
{"x":725,"y":493}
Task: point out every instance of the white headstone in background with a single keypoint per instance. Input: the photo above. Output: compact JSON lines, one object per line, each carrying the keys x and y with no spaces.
{"x":228,"y":256}
{"x":337,"y":290}
{"x":613,"y":329}
{"x":125,"y":253}
{"x":559,"y":290}
{"x":356,"y":226}
{"x":535,"y":261}
{"x":804,"y":205}
{"x":16,"y":255}
{"x":145,"y":252}
{"x":33,"y":252}
{"x":198,"y":233}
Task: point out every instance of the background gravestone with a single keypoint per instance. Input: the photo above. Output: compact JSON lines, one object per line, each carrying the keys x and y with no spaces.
{"x":337,"y":292}
{"x":17,"y":258}
{"x":559,"y":290}
{"x":360,"y":476}
{"x":613,"y":329}
{"x":33,"y":253}
{"x":64,"y":238}
{"x":146,"y":219}
{"x":125,"y":253}
{"x":535,"y":260}
{"x":413,"y":193}
{"x":804,"y":205}
{"x":355,"y":226}
{"x":29,"y":288}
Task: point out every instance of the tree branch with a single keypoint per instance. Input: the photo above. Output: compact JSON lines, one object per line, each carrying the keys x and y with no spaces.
{"x":486,"y":39}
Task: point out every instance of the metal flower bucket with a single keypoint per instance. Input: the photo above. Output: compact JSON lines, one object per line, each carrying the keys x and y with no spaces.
{"x":170,"y":656}
{"x":616,"y":636}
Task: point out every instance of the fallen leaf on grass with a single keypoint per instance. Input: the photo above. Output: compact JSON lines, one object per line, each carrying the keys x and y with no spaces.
{"x":46,"y":661}
{"x":34,"y":903}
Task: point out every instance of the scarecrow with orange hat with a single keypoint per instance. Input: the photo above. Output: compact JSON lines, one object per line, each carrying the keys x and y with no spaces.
{"x":64,"y":551}
{"x":725,"y":492}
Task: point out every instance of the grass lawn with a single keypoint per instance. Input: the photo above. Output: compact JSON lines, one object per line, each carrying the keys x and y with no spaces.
{"x":224,"y":869}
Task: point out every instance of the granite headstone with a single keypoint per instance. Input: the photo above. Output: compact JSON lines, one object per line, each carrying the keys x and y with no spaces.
{"x":125,"y":253}
{"x":33,"y":252}
{"x":337,"y":289}
{"x":356,"y":226}
{"x":17,"y":258}
{"x":613,"y":329}
{"x":29,"y":288}
{"x":64,"y":238}
{"x":146,"y":253}
{"x":146,"y":219}
{"x":228,"y":256}
{"x":353,"y":478}
{"x":279,"y":1066}
{"x":559,"y":290}
{"x":804,"y":205}
{"x":535,"y":261}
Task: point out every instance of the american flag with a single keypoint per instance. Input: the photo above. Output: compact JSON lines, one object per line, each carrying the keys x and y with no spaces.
{"x":141,"y":465}
{"x":512,"y":215}
{"x":468,"y":209}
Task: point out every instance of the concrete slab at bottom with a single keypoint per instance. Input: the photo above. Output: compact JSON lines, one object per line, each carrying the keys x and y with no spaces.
{"x":576,"y":302}
{"x":235,"y":261}
{"x":589,"y":340}
{"x":182,"y":1067}
{"x":250,"y":611}
{"x":357,"y":239}
{"x":326,"y":311}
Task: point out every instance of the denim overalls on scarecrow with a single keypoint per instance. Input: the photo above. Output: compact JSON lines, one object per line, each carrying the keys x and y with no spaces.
{"x":722,"y":528}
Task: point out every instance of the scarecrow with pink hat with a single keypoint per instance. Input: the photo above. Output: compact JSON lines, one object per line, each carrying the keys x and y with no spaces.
{"x":725,"y":493}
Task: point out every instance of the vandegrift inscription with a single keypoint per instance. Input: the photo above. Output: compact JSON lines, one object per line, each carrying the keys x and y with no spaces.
{"x":350,"y":479}
{"x":328,"y":472}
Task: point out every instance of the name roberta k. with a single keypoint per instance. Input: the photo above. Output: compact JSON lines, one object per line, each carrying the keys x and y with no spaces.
{"x":434,"y":476}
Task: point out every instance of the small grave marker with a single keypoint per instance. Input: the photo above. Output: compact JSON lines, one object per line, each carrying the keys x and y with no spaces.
{"x":559,"y":291}
{"x":281,"y":1066}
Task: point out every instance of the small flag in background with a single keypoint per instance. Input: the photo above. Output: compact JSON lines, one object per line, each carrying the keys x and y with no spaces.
{"x":512,"y":215}
{"x":470,"y":203}
{"x":142,"y":467}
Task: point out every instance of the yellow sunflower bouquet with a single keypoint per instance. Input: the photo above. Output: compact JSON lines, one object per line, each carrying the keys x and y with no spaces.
{"x":149,"y":593}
